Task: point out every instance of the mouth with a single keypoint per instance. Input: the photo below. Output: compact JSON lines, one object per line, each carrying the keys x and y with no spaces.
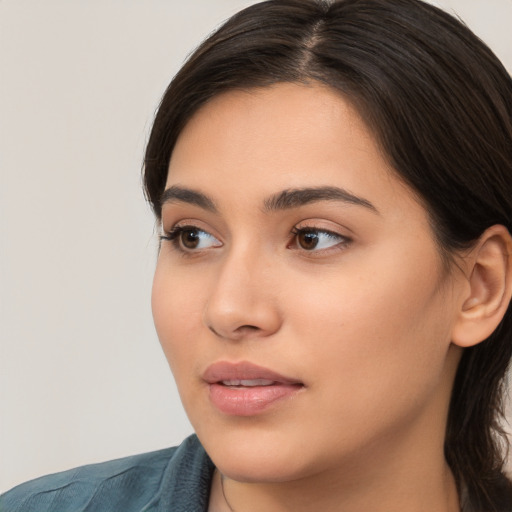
{"x":248,"y":383}
{"x":245,"y":389}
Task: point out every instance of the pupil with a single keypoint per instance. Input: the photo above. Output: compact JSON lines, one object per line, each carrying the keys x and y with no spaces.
{"x":190,"y":239}
{"x":308,"y":240}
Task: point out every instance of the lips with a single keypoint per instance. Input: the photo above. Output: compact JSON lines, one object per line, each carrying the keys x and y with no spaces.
{"x":245,"y":389}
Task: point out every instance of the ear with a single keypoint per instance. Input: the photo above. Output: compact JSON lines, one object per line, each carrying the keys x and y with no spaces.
{"x":488,"y":288}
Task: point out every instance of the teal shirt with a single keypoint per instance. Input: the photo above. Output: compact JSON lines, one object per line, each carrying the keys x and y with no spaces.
{"x":171,"y":480}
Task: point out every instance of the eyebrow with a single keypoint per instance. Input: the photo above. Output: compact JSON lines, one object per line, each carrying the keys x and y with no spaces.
{"x":293,"y":198}
{"x":176,"y":194}
{"x":284,"y":200}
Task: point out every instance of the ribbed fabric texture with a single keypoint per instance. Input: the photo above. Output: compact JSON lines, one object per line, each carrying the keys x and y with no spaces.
{"x":170,"y":480}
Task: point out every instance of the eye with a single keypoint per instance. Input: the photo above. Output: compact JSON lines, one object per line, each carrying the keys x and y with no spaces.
{"x":191,"y":238}
{"x":314,"y":239}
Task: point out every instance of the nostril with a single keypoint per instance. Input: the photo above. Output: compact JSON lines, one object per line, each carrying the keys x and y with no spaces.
{"x":248,"y":328}
{"x":245,"y":330}
{"x":235,"y":333}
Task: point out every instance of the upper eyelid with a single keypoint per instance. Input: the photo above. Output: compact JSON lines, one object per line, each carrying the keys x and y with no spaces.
{"x":187,"y":223}
{"x":316,"y":225}
{"x":319,"y":230}
{"x":178,"y":228}
{"x":343,"y":238}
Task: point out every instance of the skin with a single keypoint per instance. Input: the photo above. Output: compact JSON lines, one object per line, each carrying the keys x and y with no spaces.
{"x":364,"y":320}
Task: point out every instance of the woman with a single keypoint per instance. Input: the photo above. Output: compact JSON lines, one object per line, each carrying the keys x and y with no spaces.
{"x":333,"y":286}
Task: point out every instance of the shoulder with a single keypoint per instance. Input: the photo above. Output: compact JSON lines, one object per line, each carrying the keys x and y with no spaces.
{"x":177,"y":477}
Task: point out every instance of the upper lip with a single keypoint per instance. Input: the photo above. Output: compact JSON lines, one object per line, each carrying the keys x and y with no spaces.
{"x":225,"y":371}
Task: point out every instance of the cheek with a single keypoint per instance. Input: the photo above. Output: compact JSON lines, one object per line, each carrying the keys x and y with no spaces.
{"x":370,"y":332}
{"x":176,"y":304}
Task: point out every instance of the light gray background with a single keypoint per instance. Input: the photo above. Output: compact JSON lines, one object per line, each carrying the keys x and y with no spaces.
{"x":82,"y":376}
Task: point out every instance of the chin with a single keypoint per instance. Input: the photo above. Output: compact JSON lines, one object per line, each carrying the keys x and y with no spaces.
{"x":253,"y":457}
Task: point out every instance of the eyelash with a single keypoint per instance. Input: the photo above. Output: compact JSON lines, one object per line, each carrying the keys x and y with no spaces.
{"x":342,"y":241}
{"x":173,"y":233}
{"x":174,"y":236}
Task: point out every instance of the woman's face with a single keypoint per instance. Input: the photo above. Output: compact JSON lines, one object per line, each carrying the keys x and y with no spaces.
{"x":299,"y":295}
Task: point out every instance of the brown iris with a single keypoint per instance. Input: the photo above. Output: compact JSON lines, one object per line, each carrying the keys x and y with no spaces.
{"x":308,"y":240}
{"x":189,"y":238}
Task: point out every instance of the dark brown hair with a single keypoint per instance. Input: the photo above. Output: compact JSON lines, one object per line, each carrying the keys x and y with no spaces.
{"x":440,"y":104}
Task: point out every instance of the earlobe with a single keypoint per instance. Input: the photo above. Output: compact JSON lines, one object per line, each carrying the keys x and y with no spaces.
{"x":489,"y":271}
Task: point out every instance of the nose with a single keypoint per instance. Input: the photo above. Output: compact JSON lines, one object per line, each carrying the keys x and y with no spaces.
{"x":243,"y":299}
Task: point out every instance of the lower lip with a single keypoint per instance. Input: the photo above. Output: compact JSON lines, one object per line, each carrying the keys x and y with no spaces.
{"x":248,"y":401}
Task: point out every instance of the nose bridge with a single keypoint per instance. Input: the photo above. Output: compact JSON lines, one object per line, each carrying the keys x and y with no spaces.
{"x":241,"y":298}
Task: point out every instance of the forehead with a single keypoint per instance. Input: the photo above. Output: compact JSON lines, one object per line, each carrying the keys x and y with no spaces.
{"x":281,"y":105}
{"x":272,"y":121}
{"x":280,"y":137}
